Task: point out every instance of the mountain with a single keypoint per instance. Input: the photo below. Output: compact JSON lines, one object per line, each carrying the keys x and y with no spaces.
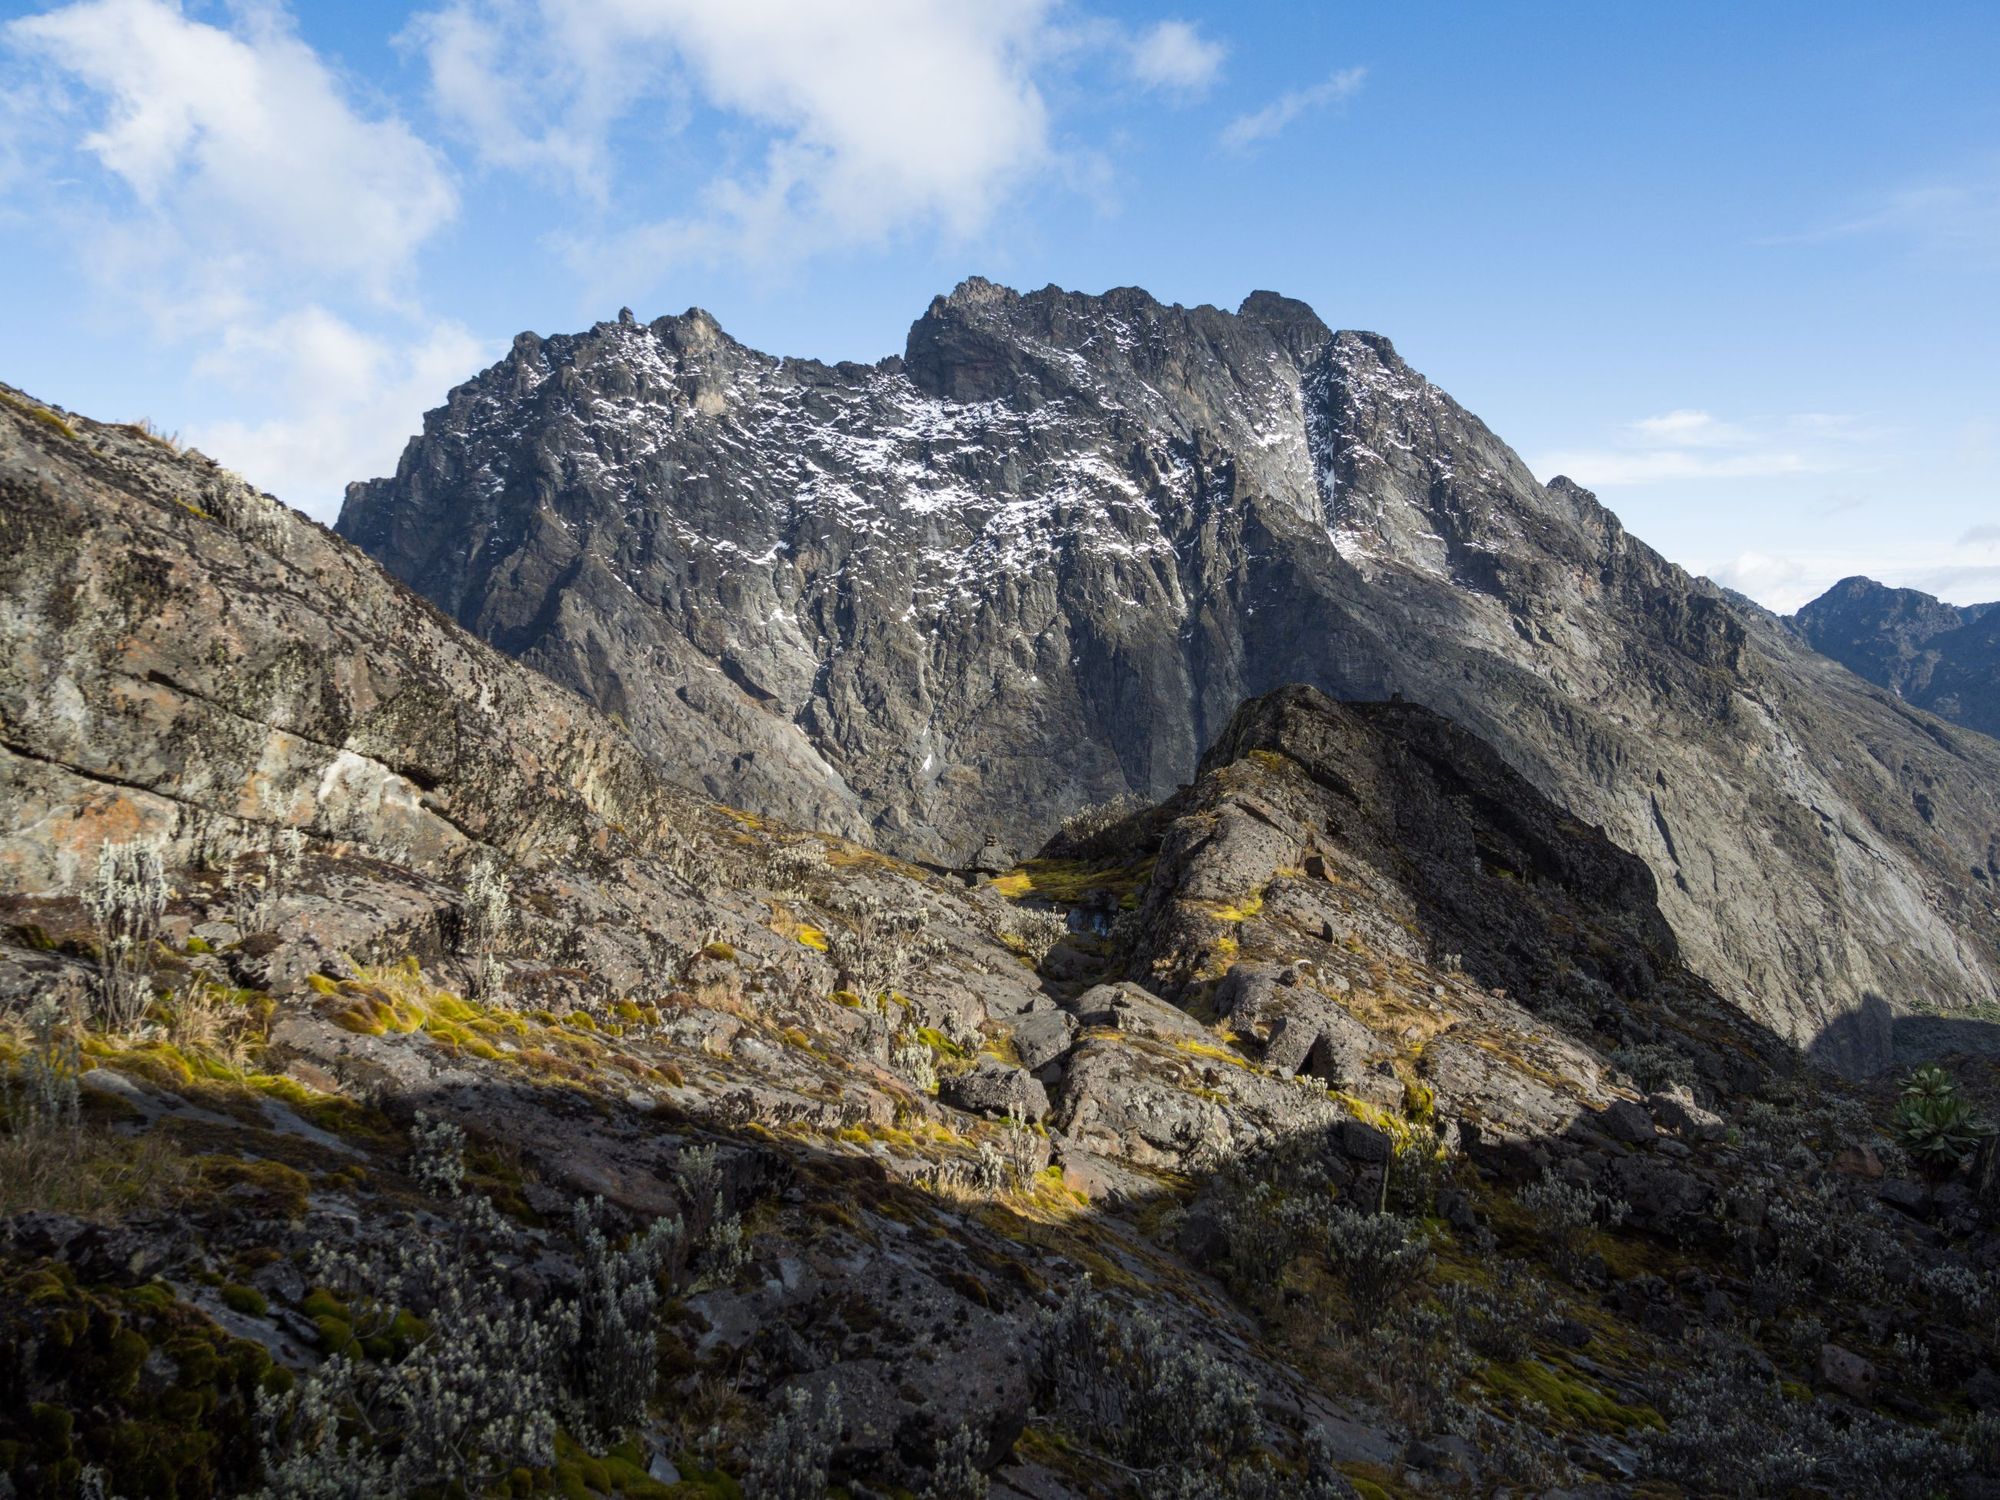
{"x":1038,"y":559}
{"x":409,"y":1091}
{"x":1944,"y":658}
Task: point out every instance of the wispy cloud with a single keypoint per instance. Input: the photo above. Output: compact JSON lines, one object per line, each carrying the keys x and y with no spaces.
{"x":1981,"y":536}
{"x":1175,"y":57}
{"x":348,"y":399}
{"x":1261,"y":125}
{"x":243,"y":138}
{"x":1949,"y":218}
{"x":1689,"y":445}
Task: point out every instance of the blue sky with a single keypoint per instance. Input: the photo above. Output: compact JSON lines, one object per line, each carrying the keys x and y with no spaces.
{"x":1737,"y":267}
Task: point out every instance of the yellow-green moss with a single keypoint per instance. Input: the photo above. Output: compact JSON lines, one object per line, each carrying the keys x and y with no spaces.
{"x":1242,"y":911}
{"x":187,"y":1428}
{"x":1570,"y":1398}
{"x":1072,"y":881}
{"x":1207,"y":1049}
{"x":245,"y":1299}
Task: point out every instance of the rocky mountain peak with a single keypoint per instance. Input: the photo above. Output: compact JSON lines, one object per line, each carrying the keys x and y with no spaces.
{"x":1276,"y":311}
{"x":940,"y":601}
{"x":1943,"y":657}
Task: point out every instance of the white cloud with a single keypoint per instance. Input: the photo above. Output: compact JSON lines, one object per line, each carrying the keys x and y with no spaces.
{"x":1610,"y":469}
{"x":866,"y":121}
{"x":1785,"y":581}
{"x":242,"y":137}
{"x":1692,"y":445}
{"x":1778,"y":582}
{"x":528,"y":88}
{"x":1693,"y":428}
{"x":349,"y":400}
{"x":1260,"y":125}
{"x":225,"y":183}
{"x":1176,"y":57}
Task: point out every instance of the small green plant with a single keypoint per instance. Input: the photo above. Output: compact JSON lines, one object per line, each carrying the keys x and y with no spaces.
{"x":1933,"y":1121}
{"x":1929,"y":1082}
{"x":1121,"y":1382}
{"x":43,"y":1098}
{"x":955,"y":1472}
{"x":912,"y":1057}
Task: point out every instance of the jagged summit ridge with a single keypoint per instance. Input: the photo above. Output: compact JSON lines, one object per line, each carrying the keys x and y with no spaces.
{"x":1040,"y":558}
{"x":1942,"y":657}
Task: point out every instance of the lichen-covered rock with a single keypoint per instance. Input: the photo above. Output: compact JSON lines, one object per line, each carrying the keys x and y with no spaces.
{"x":996,"y":1090}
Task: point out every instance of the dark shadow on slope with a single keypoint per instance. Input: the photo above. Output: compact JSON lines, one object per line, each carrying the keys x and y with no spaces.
{"x":1922,"y":1039}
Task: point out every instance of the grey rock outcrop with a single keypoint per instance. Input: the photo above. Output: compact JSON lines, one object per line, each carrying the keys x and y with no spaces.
{"x":1038,"y":559}
{"x":997,"y":1091}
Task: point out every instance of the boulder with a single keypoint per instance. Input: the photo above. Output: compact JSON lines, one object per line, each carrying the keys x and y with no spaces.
{"x":996,"y":1090}
{"x":1675,"y":1109}
{"x":1626,"y":1121}
{"x":1364,"y":1143}
{"x":1847,"y":1372}
{"x":1041,"y":1037}
{"x":1116,"y":1101}
{"x":1129,"y":1007}
{"x":1904,"y":1195}
{"x":1291,"y":1043}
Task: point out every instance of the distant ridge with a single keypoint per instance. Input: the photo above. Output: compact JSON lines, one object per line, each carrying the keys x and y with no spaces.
{"x":1942,"y":657}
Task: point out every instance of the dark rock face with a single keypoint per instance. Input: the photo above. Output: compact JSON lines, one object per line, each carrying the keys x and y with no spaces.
{"x":1039,"y":559}
{"x":1942,"y":657}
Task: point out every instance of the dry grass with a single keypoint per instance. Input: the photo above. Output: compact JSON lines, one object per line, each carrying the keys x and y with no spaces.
{"x":145,"y":428}
{"x":89,"y":1173}
{"x":212,"y":1020}
{"x":40,"y":414}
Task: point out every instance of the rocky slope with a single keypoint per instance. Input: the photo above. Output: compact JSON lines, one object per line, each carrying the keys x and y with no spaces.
{"x":1944,"y":658}
{"x":498,"y":1118}
{"x":1038,"y":560}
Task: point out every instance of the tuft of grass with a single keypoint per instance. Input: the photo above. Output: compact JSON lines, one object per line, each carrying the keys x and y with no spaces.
{"x":90,"y":1173}
{"x":1071,"y":882}
{"x":37,"y":413}
{"x":1220,"y":1054}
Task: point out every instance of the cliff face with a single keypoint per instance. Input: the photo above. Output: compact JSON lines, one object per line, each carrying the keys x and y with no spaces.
{"x":1038,"y":560}
{"x":1944,"y":658}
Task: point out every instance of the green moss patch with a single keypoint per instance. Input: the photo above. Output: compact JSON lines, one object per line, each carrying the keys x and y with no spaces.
{"x":131,"y":1380}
